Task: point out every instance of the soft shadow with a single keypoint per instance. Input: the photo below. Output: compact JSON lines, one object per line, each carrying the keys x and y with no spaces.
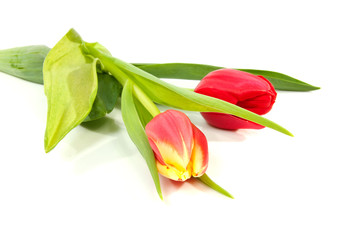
{"x":168,"y":186}
{"x":196,"y":183}
{"x":104,"y":152}
{"x":82,"y":141}
{"x":94,"y":157}
{"x":218,"y":135}
{"x":103,"y":125}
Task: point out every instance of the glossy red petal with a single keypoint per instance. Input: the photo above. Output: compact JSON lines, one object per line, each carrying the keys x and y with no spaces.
{"x":239,"y":84}
{"x":260,"y":104}
{"x":254,"y":93}
{"x":229,"y":122}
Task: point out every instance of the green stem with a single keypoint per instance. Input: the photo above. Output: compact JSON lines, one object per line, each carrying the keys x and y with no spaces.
{"x":123,"y":78}
{"x":146,"y":101}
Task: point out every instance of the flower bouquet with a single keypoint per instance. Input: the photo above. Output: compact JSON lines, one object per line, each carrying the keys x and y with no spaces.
{"x":82,"y":82}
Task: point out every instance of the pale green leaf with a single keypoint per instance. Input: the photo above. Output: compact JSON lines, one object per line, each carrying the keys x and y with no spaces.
{"x":70,"y":83}
{"x":24,"y":62}
{"x":137,"y":133}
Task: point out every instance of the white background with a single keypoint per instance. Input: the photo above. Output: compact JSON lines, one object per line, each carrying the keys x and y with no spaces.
{"x":95,"y":185}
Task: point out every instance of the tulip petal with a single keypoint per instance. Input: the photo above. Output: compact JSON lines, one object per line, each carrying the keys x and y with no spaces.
{"x":229,"y":122}
{"x":169,"y":167}
{"x":214,"y":92}
{"x":172,"y":172}
{"x":260,"y":104}
{"x":171,"y":157}
{"x":199,"y":156}
{"x":180,"y":148}
{"x":156,"y":151}
{"x":171,"y":132}
{"x":248,"y":91}
{"x":241,"y":85}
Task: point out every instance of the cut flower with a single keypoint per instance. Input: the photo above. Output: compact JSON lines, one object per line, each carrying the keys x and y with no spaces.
{"x":180,"y":148}
{"x":254,"y":93}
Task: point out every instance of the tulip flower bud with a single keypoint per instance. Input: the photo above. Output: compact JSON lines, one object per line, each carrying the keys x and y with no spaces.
{"x":180,"y":148}
{"x":254,"y":93}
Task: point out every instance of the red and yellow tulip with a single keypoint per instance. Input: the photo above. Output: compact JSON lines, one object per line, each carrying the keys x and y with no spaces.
{"x":180,"y":148}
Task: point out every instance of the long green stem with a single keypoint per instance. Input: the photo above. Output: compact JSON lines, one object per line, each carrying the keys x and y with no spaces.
{"x":146,"y":101}
{"x":123,"y":78}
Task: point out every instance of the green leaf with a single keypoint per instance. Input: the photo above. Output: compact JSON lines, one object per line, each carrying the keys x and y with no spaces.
{"x":27,"y":63}
{"x":170,"y":95}
{"x":108,"y":92}
{"x":210,"y":183}
{"x":24,"y":62}
{"x":283,"y":82}
{"x":177,"y":70}
{"x":137,"y":133}
{"x":144,"y":115}
{"x":70,"y":83}
{"x":198,"y":71}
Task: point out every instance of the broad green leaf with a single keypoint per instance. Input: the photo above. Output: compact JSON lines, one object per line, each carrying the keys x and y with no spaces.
{"x":27,"y":63}
{"x":207,"y":181}
{"x":108,"y":92}
{"x":198,"y":71}
{"x":24,"y":62}
{"x":170,"y":95}
{"x":70,"y":83}
{"x":137,"y":133}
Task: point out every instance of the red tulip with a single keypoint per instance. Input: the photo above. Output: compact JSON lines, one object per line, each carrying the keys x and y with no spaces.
{"x":254,"y":93}
{"x":180,"y":148}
